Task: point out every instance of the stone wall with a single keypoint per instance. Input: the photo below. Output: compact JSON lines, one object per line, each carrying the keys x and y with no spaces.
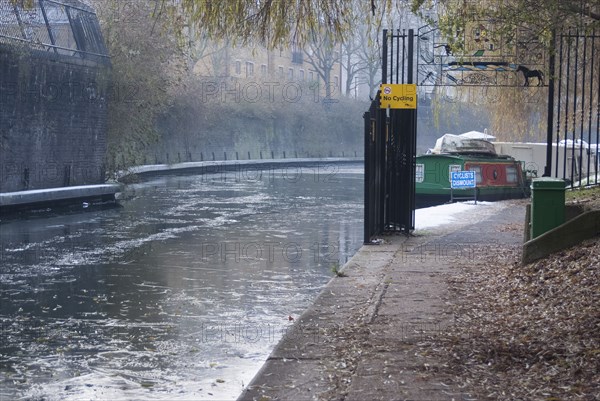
{"x":53,"y":115}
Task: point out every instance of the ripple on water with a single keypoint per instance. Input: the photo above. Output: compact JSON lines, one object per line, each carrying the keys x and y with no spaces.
{"x":123,"y":305}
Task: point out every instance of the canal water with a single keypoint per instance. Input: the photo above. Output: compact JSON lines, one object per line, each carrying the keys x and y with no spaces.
{"x":179,"y":293}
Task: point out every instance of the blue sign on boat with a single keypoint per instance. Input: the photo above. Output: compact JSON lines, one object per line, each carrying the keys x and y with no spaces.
{"x":463,"y":179}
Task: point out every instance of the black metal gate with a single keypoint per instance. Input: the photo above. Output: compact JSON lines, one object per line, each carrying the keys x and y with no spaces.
{"x":574,"y":109}
{"x":390,"y":146}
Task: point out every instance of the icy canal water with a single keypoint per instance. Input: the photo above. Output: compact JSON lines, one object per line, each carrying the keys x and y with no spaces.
{"x":180,"y":293}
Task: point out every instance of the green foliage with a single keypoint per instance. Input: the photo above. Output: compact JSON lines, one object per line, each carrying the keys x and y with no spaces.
{"x":147,"y":71}
{"x":272,"y":22}
{"x":153,"y":45}
{"x":276,"y":22}
{"x":26,"y":4}
{"x":335,"y":269}
{"x":539,"y":17}
{"x":516,"y":112}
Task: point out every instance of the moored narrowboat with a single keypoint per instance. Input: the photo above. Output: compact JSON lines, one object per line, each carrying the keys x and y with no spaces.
{"x":498,"y":177}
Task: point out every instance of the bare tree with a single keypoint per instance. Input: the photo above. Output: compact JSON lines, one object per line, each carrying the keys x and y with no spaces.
{"x":351,"y":61}
{"x":369,"y":54}
{"x":361,"y":50}
{"x":320,"y":54}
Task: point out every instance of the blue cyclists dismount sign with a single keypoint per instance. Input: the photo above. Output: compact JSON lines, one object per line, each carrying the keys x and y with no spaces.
{"x":462,"y":179}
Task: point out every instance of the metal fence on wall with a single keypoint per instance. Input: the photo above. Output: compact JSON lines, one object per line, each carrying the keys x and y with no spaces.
{"x":64,"y":27}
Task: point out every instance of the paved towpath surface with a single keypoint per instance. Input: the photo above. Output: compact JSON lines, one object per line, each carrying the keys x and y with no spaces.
{"x":359,"y":339}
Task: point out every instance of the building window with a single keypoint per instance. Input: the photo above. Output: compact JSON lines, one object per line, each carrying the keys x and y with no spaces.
{"x":263,"y":70}
{"x":280,"y":69}
{"x":311,"y":76}
{"x":290,"y":74}
{"x":297,"y":57}
{"x":249,"y":69}
{"x":238,"y":67}
{"x":301,"y":76}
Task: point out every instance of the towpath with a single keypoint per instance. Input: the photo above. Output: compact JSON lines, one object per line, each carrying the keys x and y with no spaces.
{"x":360,"y":340}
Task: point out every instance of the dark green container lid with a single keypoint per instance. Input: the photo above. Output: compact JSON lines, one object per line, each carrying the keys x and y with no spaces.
{"x":548,"y":183}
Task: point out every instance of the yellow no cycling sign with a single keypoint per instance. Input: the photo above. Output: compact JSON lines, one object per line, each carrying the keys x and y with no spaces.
{"x":398,"y":96}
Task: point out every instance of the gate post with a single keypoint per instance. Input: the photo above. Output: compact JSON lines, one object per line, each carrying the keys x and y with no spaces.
{"x":550,"y":120}
{"x":384,"y":54}
{"x":366,"y":193}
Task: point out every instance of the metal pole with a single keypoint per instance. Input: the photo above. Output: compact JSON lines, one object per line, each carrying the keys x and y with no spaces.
{"x":384,"y":51}
{"x":18,"y":15}
{"x":391,"y":37}
{"x":575,"y":106}
{"x":398,"y":58}
{"x":597,"y":122}
{"x":411,"y":42}
{"x":583,"y":83}
{"x":593,"y":39}
{"x":403,"y":52}
{"x":367,"y":207}
{"x":560,"y":68}
{"x":550,"y":121}
{"x":568,"y":79}
{"x":75,"y":34}
{"x":50,"y":35}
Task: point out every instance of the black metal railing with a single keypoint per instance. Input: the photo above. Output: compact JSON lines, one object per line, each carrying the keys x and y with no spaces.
{"x":64,"y":27}
{"x":574,"y":109}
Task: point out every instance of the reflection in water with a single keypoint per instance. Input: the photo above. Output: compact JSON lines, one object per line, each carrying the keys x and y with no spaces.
{"x":179,"y":294}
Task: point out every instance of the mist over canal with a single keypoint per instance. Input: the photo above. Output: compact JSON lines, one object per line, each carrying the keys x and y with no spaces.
{"x":181,"y":293}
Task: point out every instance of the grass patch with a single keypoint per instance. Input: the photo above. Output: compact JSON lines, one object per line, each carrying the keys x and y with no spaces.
{"x":583,"y":194}
{"x":589,"y":198}
{"x":335,"y":269}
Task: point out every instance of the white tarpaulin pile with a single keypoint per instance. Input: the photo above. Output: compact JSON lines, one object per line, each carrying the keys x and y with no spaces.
{"x":457,"y":144}
{"x":478,"y":135}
